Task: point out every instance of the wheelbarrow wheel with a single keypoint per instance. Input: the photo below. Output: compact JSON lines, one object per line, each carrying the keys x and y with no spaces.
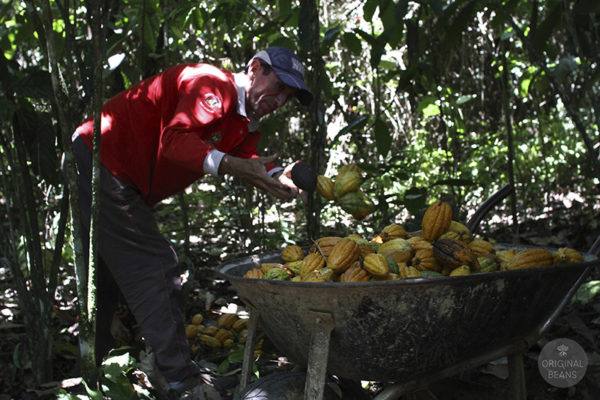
{"x":282,"y":386}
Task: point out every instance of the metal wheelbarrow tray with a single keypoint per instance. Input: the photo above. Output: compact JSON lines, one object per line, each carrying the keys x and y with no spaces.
{"x":411,"y":331}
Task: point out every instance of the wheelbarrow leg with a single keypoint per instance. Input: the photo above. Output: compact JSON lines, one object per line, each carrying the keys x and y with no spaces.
{"x":248,"y":359}
{"x":516,"y":377}
{"x":318,"y":353}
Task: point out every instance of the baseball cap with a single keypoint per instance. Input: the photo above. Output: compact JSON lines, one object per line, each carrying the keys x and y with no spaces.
{"x":289,"y":70}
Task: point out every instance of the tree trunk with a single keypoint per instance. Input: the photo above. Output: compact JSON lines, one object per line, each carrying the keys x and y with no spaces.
{"x":310,"y":52}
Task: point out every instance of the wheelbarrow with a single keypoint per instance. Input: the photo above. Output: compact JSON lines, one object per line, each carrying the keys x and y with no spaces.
{"x":405,"y":333}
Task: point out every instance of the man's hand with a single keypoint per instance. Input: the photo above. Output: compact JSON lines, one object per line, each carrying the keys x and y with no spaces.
{"x":286,"y":179}
{"x":253,"y":172}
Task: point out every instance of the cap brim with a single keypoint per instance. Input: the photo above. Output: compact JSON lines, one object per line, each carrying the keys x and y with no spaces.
{"x":303,"y":94}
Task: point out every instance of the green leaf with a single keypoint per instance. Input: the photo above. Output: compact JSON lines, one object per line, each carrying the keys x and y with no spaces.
{"x":453,"y":182}
{"x":383,"y":138}
{"x":124,"y":361}
{"x":392,"y":16}
{"x":150,"y":27}
{"x":369,"y":9}
{"x":352,"y":43}
{"x":92,"y":393}
{"x":428,"y":107}
{"x":357,"y":123}
{"x":284,"y":7}
{"x":587,"y":292}
{"x":329,"y":38}
{"x":465,"y":99}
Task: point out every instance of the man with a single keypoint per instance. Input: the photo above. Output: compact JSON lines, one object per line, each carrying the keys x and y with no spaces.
{"x":157,"y":138}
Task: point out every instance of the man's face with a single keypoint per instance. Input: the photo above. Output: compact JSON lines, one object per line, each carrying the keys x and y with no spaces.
{"x":266,"y":93}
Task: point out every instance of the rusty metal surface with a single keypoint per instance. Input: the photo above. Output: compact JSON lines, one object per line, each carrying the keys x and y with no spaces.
{"x":403,"y":330}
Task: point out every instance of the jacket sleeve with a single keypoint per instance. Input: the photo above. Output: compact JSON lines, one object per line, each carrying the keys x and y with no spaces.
{"x":247,"y":149}
{"x":201,"y":104}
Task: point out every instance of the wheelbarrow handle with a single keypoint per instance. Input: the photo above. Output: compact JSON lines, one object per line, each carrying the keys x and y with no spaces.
{"x":595,"y":249}
{"x":491,"y":202}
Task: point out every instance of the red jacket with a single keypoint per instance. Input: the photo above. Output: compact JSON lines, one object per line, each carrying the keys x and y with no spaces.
{"x":157,"y":134}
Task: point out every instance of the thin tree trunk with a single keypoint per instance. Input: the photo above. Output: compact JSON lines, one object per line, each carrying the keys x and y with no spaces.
{"x":59,"y":242}
{"x":511,"y":148}
{"x":310,"y":52}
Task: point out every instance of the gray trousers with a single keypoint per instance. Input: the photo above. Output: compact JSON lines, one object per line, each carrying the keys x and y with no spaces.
{"x":138,"y":261}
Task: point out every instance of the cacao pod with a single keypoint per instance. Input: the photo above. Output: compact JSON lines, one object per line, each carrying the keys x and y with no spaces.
{"x":350,"y":168}
{"x":343,"y":254}
{"x":424,"y":259}
{"x":210,"y":330}
{"x":376,"y":265}
{"x":197,"y":319}
{"x":210,"y":341}
{"x":227,"y":320}
{"x":408,"y":271}
{"x":320,"y":275}
{"x":254,"y":273}
{"x":354,"y":274}
{"x":295,"y":267}
{"x":418,"y":243}
{"x":346,"y":183}
{"x":392,"y":231}
{"x":356,"y":204}
{"x":452,"y":254}
{"x":240,"y":325}
{"x":461,"y":230}
{"x":223,"y":334}
{"x":567,"y":255}
{"x":265,"y":267}
{"x":324,"y":245}
{"x":227,"y":343}
{"x":364,"y":246}
{"x":292,"y":253}
{"x":312,"y":262}
{"x":277,"y":274}
{"x":488,"y":264}
{"x":431,"y":274}
{"x":505,"y":256}
{"x":481,"y":247}
{"x":191,"y":331}
{"x":531,"y":258}
{"x":325,"y":187}
{"x":461,"y":271}
{"x":399,"y":249}
{"x":436,"y":220}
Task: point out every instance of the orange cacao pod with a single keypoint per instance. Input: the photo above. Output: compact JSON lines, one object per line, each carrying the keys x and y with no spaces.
{"x":376,"y":265}
{"x":531,"y":258}
{"x":292,"y":253}
{"x":344,"y":253}
{"x":436,"y":220}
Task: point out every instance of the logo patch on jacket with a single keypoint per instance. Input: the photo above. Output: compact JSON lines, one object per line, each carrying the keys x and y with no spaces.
{"x":212,"y":102}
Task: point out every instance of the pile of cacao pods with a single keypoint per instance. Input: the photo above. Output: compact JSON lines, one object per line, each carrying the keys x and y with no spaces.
{"x":443,"y":247}
{"x":223,"y":333}
{"x":345,"y":191}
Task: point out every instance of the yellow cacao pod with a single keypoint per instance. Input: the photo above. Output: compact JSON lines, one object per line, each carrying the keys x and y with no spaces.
{"x":240,"y":325}
{"x":210,"y":330}
{"x":266,"y":267}
{"x":324,"y":245}
{"x":312,"y":262}
{"x":295,"y":266}
{"x":424,"y":260}
{"x":350,"y":168}
{"x":191,"y":331}
{"x":567,"y":255}
{"x":223,"y":334}
{"x":488,"y":263}
{"x":398,"y":249}
{"x":254,"y":273}
{"x":197,"y":319}
{"x":364,"y":246}
{"x":343,"y":254}
{"x":227,"y":320}
{"x":464,"y":234}
{"x":505,"y":257}
{"x":354,"y":274}
{"x":325,"y":187}
{"x":228,"y":343}
{"x":531,"y":258}
{"x":210,"y":341}
{"x":292,"y":253}
{"x":461,"y":271}
{"x":346,"y":183}
{"x":481,"y":247}
{"x":418,"y":243}
{"x":405,"y":271}
{"x":320,"y":275}
{"x":376,"y":265}
{"x":436,"y":220}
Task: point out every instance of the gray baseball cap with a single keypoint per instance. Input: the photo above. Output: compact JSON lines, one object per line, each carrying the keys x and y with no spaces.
{"x":289,"y":70}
